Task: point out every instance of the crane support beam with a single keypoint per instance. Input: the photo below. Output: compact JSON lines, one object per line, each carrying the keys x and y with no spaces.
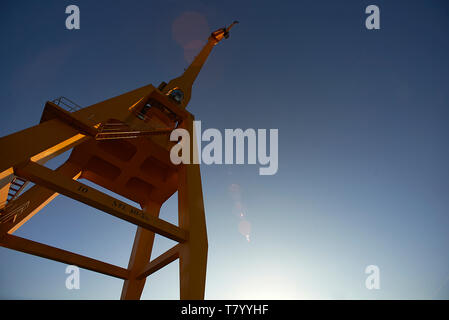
{"x":33,"y":200}
{"x":160,"y":262}
{"x":42,"y":250}
{"x":38,"y":143}
{"x":64,"y":185}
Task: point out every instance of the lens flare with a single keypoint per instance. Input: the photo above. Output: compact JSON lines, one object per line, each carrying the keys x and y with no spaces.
{"x":190,"y":30}
{"x":244,"y":226}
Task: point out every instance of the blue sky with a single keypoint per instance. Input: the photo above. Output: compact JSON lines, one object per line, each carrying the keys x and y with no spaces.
{"x":363,"y":153}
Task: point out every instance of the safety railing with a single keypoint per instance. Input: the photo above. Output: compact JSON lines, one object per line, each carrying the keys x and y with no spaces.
{"x":67,"y":104}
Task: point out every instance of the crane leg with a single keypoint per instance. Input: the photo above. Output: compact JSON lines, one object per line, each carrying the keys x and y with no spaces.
{"x":140,"y":256}
{"x":193,"y":252}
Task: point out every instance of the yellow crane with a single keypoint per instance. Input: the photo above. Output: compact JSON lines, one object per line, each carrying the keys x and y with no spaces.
{"x":123,"y":145}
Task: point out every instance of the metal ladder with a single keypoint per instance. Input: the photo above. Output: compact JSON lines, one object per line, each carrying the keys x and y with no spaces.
{"x":17,"y":185}
{"x":67,"y":104}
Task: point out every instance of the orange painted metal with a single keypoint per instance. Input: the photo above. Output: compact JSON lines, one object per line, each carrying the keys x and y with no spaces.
{"x":121,"y":144}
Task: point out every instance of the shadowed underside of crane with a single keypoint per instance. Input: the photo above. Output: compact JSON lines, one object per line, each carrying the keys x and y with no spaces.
{"x":123,"y":145}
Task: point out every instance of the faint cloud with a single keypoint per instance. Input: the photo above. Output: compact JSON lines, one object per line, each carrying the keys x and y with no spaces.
{"x":43,"y":69}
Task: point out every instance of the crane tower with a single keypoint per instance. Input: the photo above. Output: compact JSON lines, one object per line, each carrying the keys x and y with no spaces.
{"x":121,"y":144}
